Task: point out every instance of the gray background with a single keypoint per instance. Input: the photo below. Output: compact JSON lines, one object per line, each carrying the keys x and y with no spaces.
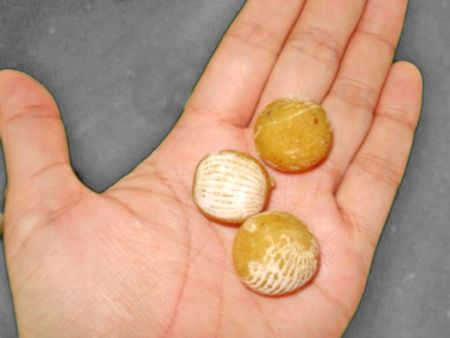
{"x":121,"y":70}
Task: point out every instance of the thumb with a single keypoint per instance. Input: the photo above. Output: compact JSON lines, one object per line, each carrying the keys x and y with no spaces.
{"x":39,"y":176}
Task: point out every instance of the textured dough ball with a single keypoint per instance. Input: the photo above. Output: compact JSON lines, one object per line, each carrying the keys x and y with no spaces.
{"x":230,"y":186}
{"x":293,"y":135}
{"x":274,"y":253}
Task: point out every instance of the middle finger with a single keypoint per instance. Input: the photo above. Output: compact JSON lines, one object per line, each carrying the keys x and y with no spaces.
{"x":312,"y":54}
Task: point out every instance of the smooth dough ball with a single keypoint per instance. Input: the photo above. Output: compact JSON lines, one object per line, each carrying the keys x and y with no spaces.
{"x":293,"y":135}
{"x":274,"y":253}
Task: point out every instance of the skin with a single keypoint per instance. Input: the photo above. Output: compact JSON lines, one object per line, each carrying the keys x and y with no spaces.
{"x":139,"y":260}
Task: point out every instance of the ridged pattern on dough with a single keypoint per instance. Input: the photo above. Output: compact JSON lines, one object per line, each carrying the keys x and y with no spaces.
{"x":284,"y":267}
{"x":230,"y":186}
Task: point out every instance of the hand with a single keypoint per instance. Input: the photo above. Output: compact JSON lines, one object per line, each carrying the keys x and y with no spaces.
{"x":139,"y":260}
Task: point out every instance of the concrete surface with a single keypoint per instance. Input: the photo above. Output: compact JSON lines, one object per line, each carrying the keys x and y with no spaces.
{"x":121,"y":70}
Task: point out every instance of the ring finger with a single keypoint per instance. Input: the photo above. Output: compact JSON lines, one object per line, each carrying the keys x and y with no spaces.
{"x":354,"y":94}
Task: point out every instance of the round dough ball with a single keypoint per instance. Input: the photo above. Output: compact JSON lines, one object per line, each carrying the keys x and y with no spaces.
{"x":274,"y":253}
{"x":293,"y":135}
{"x":230,"y":186}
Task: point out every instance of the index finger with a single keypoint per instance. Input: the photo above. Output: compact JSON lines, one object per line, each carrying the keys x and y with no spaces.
{"x":235,"y":77}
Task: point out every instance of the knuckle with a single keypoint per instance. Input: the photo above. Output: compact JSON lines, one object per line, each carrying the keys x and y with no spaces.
{"x":316,"y":43}
{"x":22,"y":98}
{"x":255,"y":35}
{"x":195,"y":109}
{"x":209,"y":114}
{"x":355,"y":93}
{"x":377,"y":39}
{"x":18,"y":89}
{"x":398,"y":116}
{"x":379,"y":169}
{"x":29,"y":112}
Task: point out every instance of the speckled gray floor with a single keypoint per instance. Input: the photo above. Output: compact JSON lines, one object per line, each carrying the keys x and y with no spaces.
{"x":121,"y":70}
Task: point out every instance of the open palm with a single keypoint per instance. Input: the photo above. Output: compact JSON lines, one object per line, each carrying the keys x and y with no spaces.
{"x":139,"y":260}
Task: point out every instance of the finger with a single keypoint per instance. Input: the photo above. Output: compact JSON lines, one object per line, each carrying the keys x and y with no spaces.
{"x":355,"y":92}
{"x":234,"y":78}
{"x":34,"y":143}
{"x":369,"y":186}
{"x":312,"y":54}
